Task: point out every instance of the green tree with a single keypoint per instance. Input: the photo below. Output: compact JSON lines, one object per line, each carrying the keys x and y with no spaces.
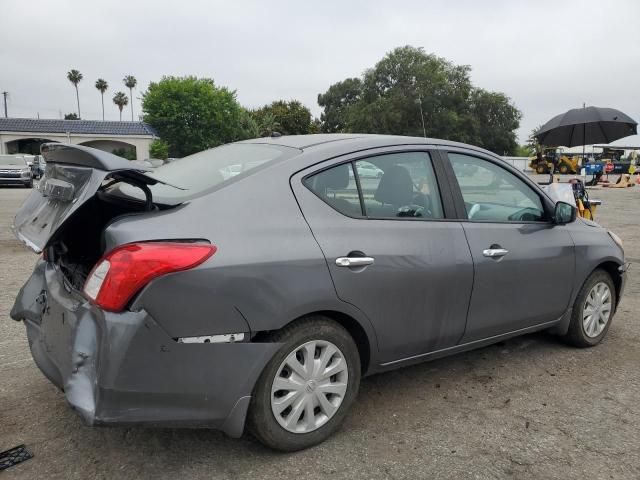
{"x":128,"y":153}
{"x":130,"y":82}
{"x":410,"y":92}
{"x":102,"y":87}
{"x":287,"y":118}
{"x":74,"y":76}
{"x":524,"y":151}
{"x":71,"y":116}
{"x":496,"y":121}
{"x":121,"y":100}
{"x":159,"y":149}
{"x":335,"y":103}
{"x":192,"y":114}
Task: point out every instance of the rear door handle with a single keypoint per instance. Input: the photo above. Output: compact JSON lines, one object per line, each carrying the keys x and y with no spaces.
{"x":354,"y":261}
{"x":495,"y":252}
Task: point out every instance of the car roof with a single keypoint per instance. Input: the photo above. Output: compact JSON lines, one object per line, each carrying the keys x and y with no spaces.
{"x":355,"y":141}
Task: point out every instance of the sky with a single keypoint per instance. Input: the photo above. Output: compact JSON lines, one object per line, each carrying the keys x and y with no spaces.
{"x":547,"y":56}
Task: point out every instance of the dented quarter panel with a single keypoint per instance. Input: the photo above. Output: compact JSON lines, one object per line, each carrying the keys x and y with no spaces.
{"x":123,"y":368}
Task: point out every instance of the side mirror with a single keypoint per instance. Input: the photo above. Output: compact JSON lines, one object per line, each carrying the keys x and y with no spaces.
{"x":564,"y":213}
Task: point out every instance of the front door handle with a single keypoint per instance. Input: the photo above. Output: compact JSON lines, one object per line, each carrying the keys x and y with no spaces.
{"x":495,"y":252}
{"x":354,"y":261}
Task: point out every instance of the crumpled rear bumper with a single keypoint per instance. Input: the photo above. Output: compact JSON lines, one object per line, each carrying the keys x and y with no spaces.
{"x":122,"y":368}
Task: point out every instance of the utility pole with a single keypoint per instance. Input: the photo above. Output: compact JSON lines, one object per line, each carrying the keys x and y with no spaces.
{"x":424,"y":130}
{"x":4,"y":94}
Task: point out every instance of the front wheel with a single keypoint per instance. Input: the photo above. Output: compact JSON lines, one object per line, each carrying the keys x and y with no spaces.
{"x":592,"y":311}
{"x":307,"y":388}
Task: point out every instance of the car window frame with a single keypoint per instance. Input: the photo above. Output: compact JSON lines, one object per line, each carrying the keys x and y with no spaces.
{"x":446,"y":197}
{"x":547,"y":204}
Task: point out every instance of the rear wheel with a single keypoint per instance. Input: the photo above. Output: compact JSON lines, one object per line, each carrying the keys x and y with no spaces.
{"x":541,"y":169}
{"x":307,"y":388}
{"x":592,"y":311}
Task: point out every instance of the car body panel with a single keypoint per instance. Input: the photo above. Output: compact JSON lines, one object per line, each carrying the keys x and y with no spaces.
{"x":532,"y":284}
{"x":421,"y":277}
{"x":122,"y":368}
{"x":73,"y":175}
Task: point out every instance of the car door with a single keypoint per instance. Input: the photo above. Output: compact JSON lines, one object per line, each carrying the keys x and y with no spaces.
{"x":391,"y":248}
{"x":524,"y":264}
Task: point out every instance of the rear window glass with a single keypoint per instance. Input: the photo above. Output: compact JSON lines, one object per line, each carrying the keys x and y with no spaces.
{"x":206,"y":170}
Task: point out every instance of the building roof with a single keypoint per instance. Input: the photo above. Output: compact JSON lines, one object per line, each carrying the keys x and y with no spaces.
{"x":86,"y":127}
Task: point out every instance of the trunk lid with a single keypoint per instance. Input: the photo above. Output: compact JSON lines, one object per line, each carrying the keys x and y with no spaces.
{"x":73,"y":175}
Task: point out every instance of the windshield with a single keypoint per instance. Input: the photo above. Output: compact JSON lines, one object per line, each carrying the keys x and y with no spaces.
{"x":204,"y":171}
{"x":13,"y":161}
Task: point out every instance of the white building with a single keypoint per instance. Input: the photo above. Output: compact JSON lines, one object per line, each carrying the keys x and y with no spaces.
{"x":25,"y":135}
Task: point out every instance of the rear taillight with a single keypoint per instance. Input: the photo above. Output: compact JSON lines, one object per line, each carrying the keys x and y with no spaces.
{"x":122,"y":272}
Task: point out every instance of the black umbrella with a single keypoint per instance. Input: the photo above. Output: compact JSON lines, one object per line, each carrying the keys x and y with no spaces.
{"x":586,"y":126}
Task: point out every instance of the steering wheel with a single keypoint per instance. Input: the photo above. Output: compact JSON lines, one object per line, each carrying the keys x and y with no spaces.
{"x":474,"y":209}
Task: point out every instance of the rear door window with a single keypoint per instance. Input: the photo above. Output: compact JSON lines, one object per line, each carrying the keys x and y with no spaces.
{"x":397,"y":185}
{"x":403,"y":185}
{"x":337,"y":187}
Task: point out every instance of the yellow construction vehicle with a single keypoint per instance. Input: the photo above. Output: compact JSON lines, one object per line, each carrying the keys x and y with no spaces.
{"x":568,"y":165}
{"x":544,"y":160}
{"x":549,"y":160}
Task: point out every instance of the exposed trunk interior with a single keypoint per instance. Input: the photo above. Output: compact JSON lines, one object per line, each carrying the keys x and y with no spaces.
{"x":79,"y":243}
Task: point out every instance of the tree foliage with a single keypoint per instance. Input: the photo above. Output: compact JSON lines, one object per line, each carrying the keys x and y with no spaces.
{"x":287,"y":118}
{"x":159,"y":149}
{"x":192,"y":114}
{"x":390,"y":96}
{"x":121,"y":100}
{"x":335,"y":103}
{"x":130,"y":82}
{"x":71,"y":116}
{"x":75,"y":77}
{"x":128,"y":153}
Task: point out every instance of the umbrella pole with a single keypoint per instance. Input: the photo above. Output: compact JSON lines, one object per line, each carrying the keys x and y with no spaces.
{"x":584,"y":134}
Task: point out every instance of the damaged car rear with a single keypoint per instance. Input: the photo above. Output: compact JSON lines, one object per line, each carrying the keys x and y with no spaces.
{"x":122,"y":311}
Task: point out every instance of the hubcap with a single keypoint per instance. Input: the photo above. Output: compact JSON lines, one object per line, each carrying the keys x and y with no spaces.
{"x":309,"y":386}
{"x":596,"y":310}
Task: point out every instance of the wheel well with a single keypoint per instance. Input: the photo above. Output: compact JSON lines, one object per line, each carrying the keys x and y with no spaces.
{"x":357,"y":333}
{"x":350,"y":325}
{"x":612,"y":269}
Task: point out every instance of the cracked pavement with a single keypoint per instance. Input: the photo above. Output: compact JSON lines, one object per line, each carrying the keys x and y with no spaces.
{"x":530,"y":407}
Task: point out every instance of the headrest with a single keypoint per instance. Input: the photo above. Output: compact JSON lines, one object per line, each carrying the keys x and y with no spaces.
{"x":396,"y":187}
{"x":335,"y":178}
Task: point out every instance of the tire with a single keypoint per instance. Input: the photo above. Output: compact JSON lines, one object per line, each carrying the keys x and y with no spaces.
{"x":262,"y":421}
{"x":564,"y":169}
{"x":578,"y":335}
{"x":29,"y":185}
{"x":540,"y":169}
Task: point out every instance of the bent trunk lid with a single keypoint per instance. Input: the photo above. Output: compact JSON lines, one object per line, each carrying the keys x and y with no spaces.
{"x":73,"y":175}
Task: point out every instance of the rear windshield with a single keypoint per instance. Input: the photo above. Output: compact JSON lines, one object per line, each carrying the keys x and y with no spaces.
{"x":12,"y":161}
{"x":207,"y":170}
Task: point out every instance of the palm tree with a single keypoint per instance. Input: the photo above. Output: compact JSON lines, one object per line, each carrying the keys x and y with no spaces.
{"x":121,"y":100}
{"x":74,"y":76}
{"x":130,"y":82}
{"x":102,"y":86}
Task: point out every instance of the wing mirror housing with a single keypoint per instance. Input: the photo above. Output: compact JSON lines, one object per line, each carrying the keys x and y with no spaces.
{"x":564,"y":213}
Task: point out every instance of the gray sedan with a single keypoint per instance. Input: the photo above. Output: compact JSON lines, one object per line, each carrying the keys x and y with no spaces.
{"x":190,"y":296}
